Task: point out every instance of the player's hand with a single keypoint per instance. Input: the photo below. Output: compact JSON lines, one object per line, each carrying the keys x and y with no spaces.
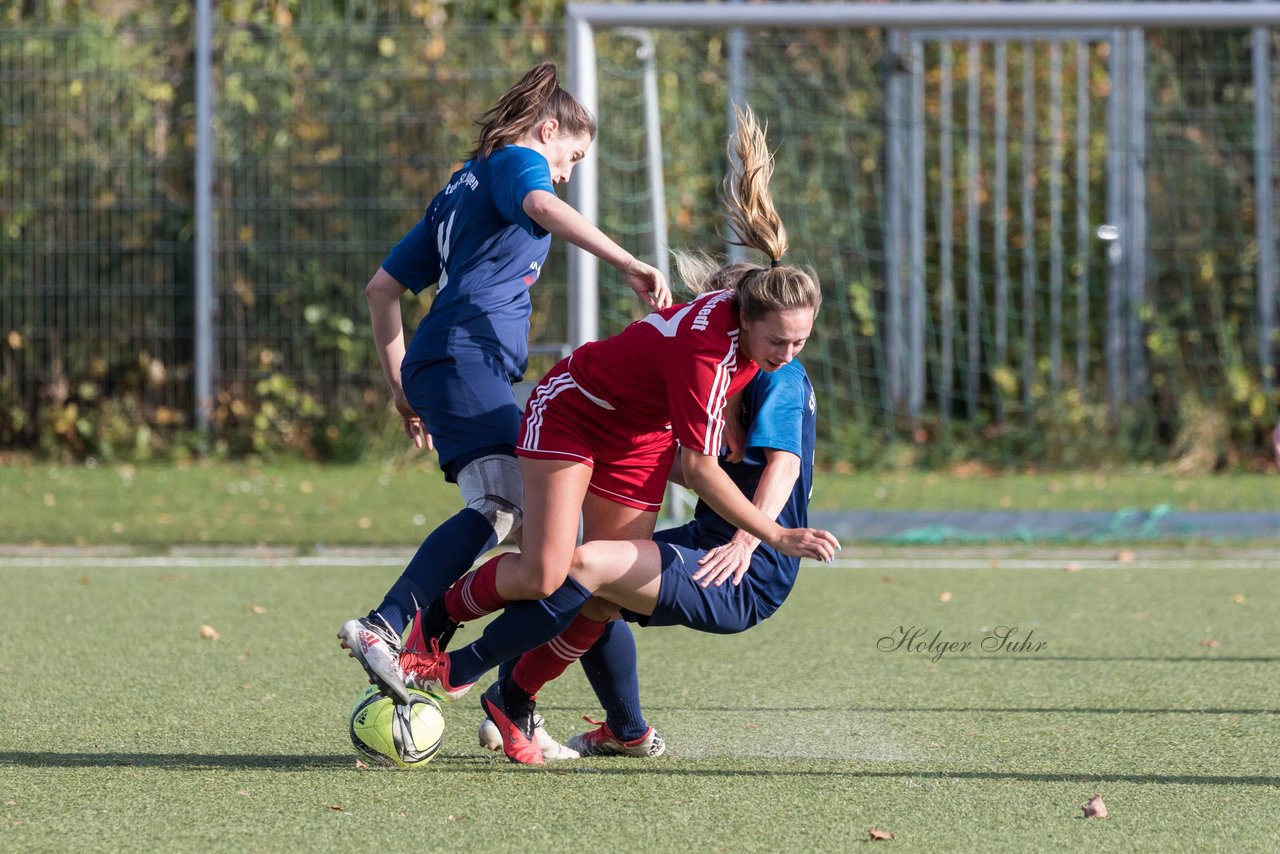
{"x":732,"y":560}
{"x":648,"y":283}
{"x":413,"y":427}
{"x":808,"y":542}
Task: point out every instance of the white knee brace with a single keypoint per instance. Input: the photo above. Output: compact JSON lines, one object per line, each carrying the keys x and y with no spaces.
{"x":492,"y":486}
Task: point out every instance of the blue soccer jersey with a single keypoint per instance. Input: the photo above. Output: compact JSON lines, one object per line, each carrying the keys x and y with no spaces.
{"x":782,"y":412}
{"x":483,"y":252}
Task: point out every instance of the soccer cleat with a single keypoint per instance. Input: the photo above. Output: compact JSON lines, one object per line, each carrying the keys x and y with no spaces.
{"x":515,"y":727}
{"x":424,"y":667}
{"x":436,"y":623}
{"x":552,"y":750}
{"x":602,"y":742}
{"x":373,"y":643}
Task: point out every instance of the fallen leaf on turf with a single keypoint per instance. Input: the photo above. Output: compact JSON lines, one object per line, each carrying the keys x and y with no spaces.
{"x":11,"y":803}
{"x":360,"y":766}
{"x":1209,"y":643}
{"x":1074,"y":566}
{"x":944,"y":596}
{"x":1238,"y":599}
{"x":1125,"y":556}
{"x":888,"y":579}
{"x":875,"y":834}
{"x":208,"y":632}
{"x":1095,"y":808}
{"x":257,"y":609}
{"x":335,"y":807}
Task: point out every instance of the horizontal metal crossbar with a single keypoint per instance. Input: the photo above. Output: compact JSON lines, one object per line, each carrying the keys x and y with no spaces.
{"x":932,"y":16}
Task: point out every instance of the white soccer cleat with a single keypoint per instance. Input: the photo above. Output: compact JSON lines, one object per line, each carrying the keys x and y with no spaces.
{"x":372,"y":643}
{"x":602,"y":742}
{"x":552,"y":750}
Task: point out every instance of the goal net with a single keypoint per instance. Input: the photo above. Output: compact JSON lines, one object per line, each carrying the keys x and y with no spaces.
{"x":1036,"y":247}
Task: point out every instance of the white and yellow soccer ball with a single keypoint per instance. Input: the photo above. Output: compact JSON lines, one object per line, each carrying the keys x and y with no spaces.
{"x":393,"y":736}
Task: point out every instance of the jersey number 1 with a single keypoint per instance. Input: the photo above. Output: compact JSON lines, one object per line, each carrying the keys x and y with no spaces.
{"x":444,"y":233}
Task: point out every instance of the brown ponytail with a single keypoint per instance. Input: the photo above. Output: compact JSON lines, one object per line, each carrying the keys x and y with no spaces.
{"x":536,"y":97}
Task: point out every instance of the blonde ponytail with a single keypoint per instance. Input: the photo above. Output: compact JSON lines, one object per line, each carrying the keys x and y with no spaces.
{"x":755,"y":224}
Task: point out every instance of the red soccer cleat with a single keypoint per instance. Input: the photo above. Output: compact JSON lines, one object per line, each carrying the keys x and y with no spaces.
{"x":518,"y":729}
{"x":425,"y":667}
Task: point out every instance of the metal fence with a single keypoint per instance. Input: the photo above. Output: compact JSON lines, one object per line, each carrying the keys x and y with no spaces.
{"x":1058,"y":212}
{"x":129,"y":298}
{"x":1024,"y":207}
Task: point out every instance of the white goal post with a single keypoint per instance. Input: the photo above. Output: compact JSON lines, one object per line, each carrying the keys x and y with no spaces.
{"x":584,"y":19}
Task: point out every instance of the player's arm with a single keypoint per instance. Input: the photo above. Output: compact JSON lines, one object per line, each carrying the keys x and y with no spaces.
{"x":561,"y":220}
{"x":703,"y":474}
{"x":383,"y":294}
{"x":732,"y":560}
{"x":699,"y":382}
{"x":698,"y":388}
{"x":776,"y":483}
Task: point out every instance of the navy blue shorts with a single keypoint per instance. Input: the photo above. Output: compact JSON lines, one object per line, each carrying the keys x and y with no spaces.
{"x":467,"y":405}
{"x":726,"y":610}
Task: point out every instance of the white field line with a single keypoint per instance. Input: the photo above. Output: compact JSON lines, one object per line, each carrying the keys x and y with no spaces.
{"x":1061,"y":562}
{"x":1056,"y":563}
{"x":213,"y":562}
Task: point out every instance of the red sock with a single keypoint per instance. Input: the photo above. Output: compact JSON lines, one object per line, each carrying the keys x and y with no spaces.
{"x":475,"y":594}
{"x":539,"y":666}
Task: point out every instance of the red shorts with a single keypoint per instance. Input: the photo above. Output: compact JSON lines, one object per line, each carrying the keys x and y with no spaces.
{"x":561,"y":422}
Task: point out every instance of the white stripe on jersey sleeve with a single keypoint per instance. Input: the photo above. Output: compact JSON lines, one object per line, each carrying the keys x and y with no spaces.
{"x":715,"y":404}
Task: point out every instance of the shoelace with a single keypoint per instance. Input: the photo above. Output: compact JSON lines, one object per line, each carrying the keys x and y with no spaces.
{"x":383,"y":630}
{"x":410,"y":666}
{"x":602,"y":733}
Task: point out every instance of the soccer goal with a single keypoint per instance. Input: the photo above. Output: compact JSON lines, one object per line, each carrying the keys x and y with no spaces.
{"x":1045,"y":231}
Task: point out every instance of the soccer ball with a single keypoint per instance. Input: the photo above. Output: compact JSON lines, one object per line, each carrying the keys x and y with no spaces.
{"x":394,"y":736}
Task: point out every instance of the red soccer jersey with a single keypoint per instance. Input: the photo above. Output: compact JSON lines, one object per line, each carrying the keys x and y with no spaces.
{"x":674,"y":367}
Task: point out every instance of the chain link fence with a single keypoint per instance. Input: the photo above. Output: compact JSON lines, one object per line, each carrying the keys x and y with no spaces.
{"x":335,"y":122}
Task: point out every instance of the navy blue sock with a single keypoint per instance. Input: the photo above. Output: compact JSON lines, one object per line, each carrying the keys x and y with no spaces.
{"x":522,"y":626}
{"x":610,"y":666}
{"x":444,"y":557}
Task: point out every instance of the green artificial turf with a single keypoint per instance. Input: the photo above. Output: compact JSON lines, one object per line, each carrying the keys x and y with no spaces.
{"x":395,"y":503}
{"x":1157,"y":688}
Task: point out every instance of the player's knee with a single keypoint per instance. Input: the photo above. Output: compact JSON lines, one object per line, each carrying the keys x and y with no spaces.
{"x":492,"y":487}
{"x":581,"y":560}
{"x":505,"y":518}
{"x":547,"y":583}
{"x":532,"y":580}
{"x":584,"y":563}
{"x":534,"y":588}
